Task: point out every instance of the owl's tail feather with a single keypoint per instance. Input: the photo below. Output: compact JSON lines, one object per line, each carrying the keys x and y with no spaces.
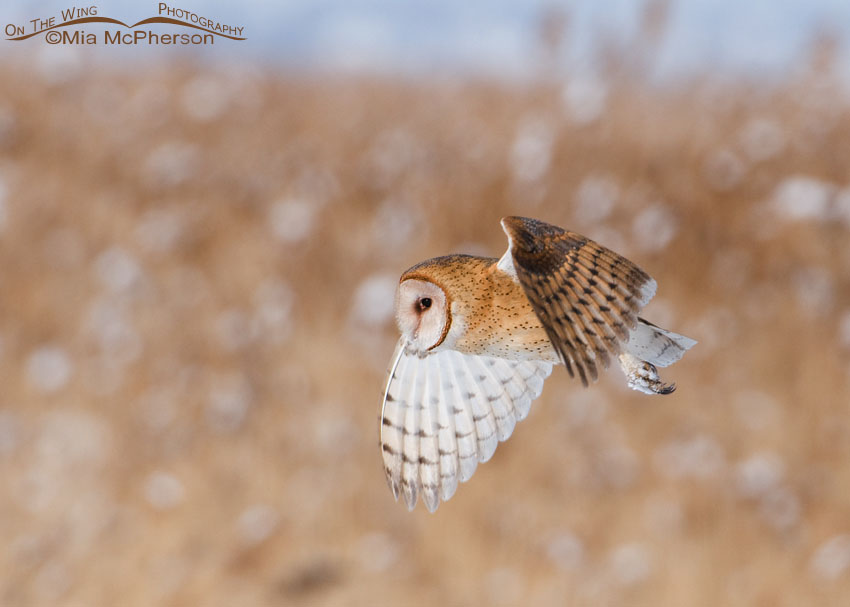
{"x":657,"y":346}
{"x":649,"y":346}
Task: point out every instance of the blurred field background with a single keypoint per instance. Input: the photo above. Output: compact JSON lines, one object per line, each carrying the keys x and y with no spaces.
{"x":198,"y":263}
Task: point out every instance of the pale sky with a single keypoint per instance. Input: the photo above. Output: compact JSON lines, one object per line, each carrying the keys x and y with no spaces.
{"x":493,"y":37}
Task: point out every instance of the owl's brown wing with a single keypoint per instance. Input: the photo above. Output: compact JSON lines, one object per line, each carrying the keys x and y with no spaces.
{"x":586,"y":296}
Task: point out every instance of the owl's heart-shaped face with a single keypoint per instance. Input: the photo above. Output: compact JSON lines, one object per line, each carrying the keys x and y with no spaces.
{"x":421,"y":313}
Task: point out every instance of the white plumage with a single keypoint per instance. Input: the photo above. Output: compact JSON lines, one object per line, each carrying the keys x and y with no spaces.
{"x":656,"y":345}
{"x":446,"y":412}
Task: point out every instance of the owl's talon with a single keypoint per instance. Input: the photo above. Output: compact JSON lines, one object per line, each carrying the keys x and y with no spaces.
{"x":643,"y":376}
{"x":667,"y":389}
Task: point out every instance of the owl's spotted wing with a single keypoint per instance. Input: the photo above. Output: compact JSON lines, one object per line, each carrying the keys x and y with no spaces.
{"x":586,"y":296}
{"x":445,"y":412}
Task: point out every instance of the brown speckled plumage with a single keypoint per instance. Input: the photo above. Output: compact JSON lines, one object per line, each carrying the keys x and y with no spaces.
{"x":586,"y":296}
{"x":497,"y":317}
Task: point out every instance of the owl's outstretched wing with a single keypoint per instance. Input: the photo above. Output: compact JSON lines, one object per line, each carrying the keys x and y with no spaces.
{"x":445,"y":412}
{"x":586,"y":296}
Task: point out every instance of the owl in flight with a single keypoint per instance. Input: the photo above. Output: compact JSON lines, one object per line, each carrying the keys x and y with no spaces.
{"x":480,"y":335}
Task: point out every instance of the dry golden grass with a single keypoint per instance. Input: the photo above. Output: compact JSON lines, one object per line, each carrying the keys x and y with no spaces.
{"x":193,"y":315}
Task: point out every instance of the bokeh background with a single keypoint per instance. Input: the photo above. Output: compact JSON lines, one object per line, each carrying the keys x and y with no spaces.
{"x":198,"y":254}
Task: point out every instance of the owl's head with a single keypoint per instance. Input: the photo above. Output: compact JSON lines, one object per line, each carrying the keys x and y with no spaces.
{"x":422,"y":312}
{"x":434,"y":298}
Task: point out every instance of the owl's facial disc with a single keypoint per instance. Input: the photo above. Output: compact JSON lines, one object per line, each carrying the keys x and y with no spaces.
{"x":421,"y":314}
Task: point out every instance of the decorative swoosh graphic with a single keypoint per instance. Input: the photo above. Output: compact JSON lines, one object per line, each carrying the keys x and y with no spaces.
{"x":165,"y":20}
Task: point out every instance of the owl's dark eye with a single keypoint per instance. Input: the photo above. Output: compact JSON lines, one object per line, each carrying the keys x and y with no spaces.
{"x":424,"y":303}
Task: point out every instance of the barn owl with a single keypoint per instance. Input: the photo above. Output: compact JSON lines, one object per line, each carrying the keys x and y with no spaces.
{"x":480,"y":335}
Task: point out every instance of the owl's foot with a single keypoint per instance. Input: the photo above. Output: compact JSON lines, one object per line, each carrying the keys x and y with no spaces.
{"x":643,"y":376}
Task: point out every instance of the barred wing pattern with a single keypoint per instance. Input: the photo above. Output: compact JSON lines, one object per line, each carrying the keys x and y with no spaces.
{"x":586,"y":296}
{"x":445,"y":412}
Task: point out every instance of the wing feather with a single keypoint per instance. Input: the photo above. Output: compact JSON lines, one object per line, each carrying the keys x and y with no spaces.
{"x":571,"y":302}
{"x":429,"y":449}
{"x":586,"y":296}
{"x":500,"y":400}
{"x":392,"y":421}
{"x":449,"y":459}
{"x":410,"y":452}
{"x":465,"y":431}
{"x":446,"y":412}
{"x":482,"y":412}
{"x":532,"y":376}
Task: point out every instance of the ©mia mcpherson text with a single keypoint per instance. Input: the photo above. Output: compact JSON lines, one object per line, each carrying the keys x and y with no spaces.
{"x":56,"y":33}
